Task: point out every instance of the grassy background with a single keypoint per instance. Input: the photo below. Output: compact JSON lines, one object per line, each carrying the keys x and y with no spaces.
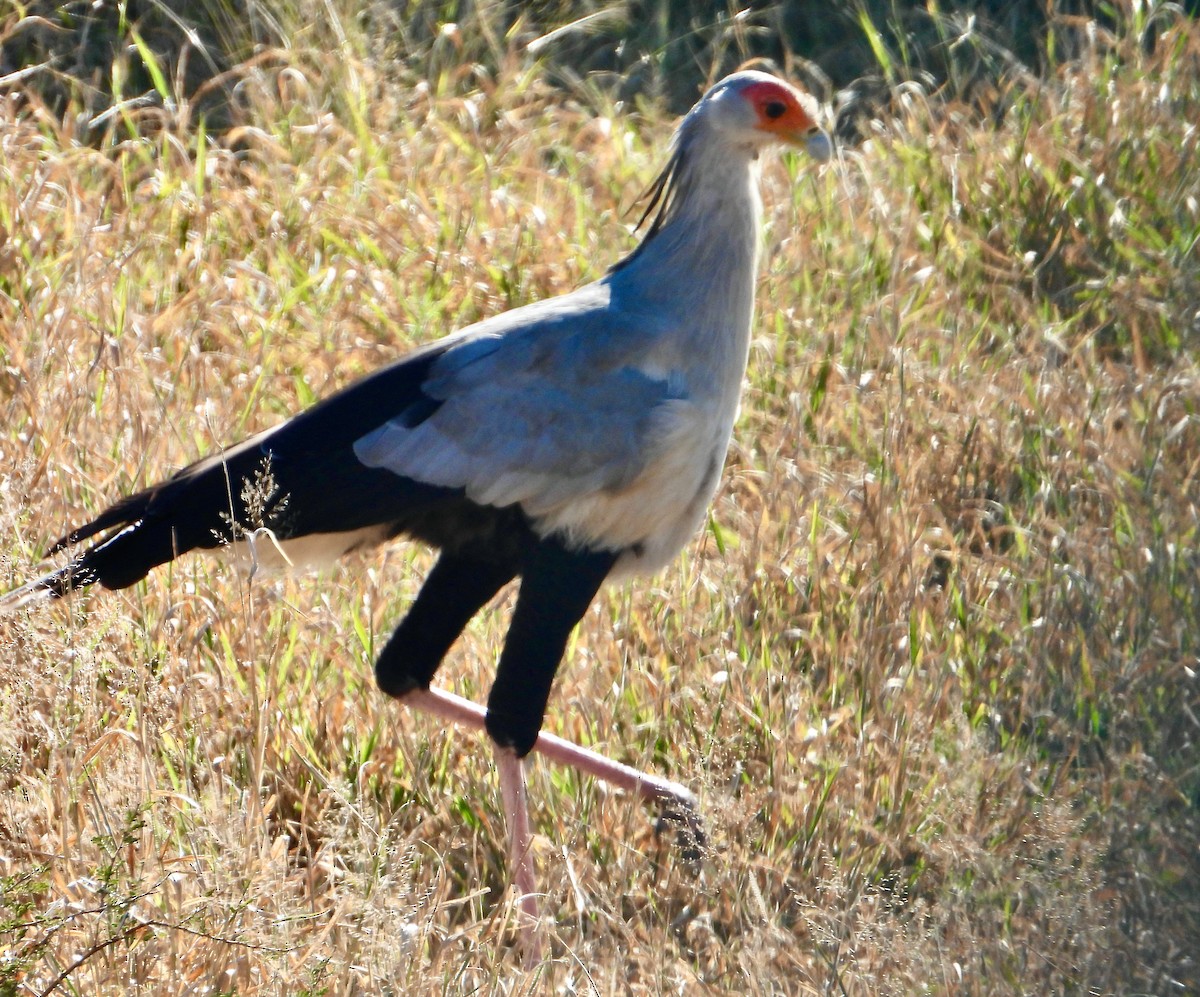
{"x":932,"y":669}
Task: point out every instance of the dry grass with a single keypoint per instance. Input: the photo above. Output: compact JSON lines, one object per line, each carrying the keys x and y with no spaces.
{"x":933,"y":669}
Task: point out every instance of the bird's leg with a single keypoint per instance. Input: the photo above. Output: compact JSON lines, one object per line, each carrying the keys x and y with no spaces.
{"x":557,"y":586}
{"x":648,"y":786}
{"x":456,"y":589}
{"x":511,"y":771}
{"x":678,"y":802}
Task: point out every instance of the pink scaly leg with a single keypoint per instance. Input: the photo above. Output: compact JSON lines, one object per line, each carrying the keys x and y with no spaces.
{"x":678,"y":801}
{"x":448,"y":706}
{"x":520,"y":849}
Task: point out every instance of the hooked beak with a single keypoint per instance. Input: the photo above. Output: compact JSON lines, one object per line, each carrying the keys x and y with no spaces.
{"x":819,"y":146}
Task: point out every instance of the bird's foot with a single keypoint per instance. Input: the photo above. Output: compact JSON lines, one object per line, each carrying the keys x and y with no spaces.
{"x":681,"y":814}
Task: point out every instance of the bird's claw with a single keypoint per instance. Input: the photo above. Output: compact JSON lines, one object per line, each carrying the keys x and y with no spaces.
{"x":690,"y":838}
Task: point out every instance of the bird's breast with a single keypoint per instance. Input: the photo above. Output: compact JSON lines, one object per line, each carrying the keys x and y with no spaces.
{"x":653,"y":515}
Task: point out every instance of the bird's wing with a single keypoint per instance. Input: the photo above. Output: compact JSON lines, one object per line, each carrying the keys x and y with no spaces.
{"x":550,"y":405}
{"x":523,"y":413}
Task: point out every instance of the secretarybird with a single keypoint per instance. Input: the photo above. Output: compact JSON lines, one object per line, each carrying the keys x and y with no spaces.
{"x":567,"y":442}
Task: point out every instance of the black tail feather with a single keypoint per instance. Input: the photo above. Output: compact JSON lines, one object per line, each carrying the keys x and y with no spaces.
{"x":300,"y":478}
{"x":121,"y":514}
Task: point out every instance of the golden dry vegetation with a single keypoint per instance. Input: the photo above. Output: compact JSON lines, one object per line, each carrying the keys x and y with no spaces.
{"x":932,"y":669}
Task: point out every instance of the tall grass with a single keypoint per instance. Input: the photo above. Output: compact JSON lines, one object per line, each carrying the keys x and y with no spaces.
{"x":932,"y":668}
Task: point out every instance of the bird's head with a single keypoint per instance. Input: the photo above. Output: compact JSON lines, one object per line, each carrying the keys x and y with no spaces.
{"x":755,"y":109}
{"x":741,"y":114}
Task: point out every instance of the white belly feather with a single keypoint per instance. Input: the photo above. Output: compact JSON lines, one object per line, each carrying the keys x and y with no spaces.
{"x":653,"y":516}
{"x":261,"y":550}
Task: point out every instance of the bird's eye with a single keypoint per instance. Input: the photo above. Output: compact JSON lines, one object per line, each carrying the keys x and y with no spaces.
{"x":774,"y":109}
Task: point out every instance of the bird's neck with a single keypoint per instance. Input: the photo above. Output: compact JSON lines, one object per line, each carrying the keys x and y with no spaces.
{"x":698,"y":266}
